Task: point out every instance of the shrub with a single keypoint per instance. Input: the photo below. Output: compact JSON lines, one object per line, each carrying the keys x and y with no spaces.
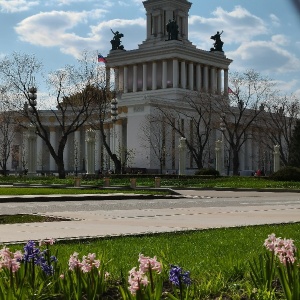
{"x":286,"y":174}
{"x":208,"y":171}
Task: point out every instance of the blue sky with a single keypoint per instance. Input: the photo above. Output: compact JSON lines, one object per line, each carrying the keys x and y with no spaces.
{"x":258,"y":34}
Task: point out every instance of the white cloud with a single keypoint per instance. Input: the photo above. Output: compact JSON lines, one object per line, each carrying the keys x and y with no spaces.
{"x":103,"y":4}
{"x":72,"y":32}
{"x":69,"y":2}
{"x":55,"y":29}
{"x":280,"y":39}
{"x":275,"y":20}
{"x":264,"y":56}
{"x":13,"y":6}
{"x":133,"y":31}
{"x":238,"y":26}
{"x":290,"y":87}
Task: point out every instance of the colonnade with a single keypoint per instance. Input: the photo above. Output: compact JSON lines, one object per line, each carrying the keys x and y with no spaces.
{"x":38,"y":158}
{"x":170,"y":73}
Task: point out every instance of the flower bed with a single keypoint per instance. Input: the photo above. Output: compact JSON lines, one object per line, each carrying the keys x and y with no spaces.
{"x":36,"y":273}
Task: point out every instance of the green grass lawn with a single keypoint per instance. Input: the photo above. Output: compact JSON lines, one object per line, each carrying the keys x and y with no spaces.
{"x":217,"y":258}
{"x":19,"y":191}
{"x":166,"y":181}
{"x":25,"y":218}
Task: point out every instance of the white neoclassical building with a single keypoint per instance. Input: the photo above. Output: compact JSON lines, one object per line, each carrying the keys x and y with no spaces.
{"x":162,"y":68}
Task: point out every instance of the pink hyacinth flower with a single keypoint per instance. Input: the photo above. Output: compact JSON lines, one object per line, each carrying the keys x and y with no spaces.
{"x":147,"y":263}
{"x":47,"y":241}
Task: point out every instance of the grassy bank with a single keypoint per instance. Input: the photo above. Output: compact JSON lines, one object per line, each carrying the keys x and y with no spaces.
{"x":165,"y":181}
{"x":19,"y":191}
{"x":218,"y":259}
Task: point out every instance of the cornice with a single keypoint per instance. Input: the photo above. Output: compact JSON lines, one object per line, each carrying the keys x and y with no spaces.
{"x":167,"y":50}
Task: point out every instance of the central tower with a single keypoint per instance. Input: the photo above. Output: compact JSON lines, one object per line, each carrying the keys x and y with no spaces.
{"x":159,"y":13}
{"x":165,"y":67}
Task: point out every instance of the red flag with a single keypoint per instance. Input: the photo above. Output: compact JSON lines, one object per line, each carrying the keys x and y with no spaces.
{"x":101,"y":58}
{"x":230,"y":91}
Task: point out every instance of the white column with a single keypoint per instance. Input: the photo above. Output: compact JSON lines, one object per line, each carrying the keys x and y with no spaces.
{"x":117,"y":79}
{"x":39,"y":151}
{"x":112,"y":133}
{"x":159,"y":26}
{"x":225,"y":81}
{"x":107,"y":132}
{"x":119,"y":138}
{"x":185,"y":27}
{"x":149,"y":16}
{"x":219,"y":82}
{"x":90,"y":151}
{"x":212,"y":80}
{"x":53,"y":166}
{"x":66,"y":155}
{"x":125,"y":89}
{"x":154,"y":75}
{"x":144,"y":77}
{"x":134,"y":79}
{"x":31,"y":151}
{"x":164,"y":74}
{"x":175,"y":73}
{"x":183,"y":75}
{"x":276,"y":155}
{"x":198,"y":77}
{"x":107,"y":76}
{"x":191,"y":76}
{"x":182,"y":156}
{"x":205,"y":79}
{"x":98,"y":150}
{"x":77,"y":150}
{"x":24,"y":156}
{"x":218,"y":150}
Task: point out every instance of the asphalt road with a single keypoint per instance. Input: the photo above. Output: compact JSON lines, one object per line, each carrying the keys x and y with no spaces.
{"x":191,"y":198}
{"x":194,"y":210}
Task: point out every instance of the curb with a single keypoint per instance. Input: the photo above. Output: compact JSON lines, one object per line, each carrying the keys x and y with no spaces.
{"x":87,"y":197}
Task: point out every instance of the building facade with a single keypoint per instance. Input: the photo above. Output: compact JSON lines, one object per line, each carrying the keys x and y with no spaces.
{"x":161,"y":72}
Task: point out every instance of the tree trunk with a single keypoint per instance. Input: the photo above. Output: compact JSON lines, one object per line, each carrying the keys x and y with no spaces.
{"x":4,"y":169}
{"x":199,"y":164}
{"x":59,"y":159}
{"x":117,"y":163}
{"x":61,"y":170}
{"x":235,"y":162}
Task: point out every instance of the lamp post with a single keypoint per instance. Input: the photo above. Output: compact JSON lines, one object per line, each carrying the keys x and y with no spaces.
{"x":114,"y":116}
{"x":32,"y":96}
{"x":114,"y":109}
{"x":222,"y":128}
{"x":32,"y":157}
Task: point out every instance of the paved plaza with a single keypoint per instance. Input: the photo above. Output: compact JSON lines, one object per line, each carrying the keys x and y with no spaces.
{"x":101,"y":216}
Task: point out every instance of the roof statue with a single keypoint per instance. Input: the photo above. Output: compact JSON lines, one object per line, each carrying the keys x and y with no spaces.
{"x":218,"y":44}
{"x":116,"y":41}
{"x":172,"y":29}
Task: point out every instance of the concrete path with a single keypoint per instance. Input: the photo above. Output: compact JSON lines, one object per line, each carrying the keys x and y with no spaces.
{"x":195,"y":210}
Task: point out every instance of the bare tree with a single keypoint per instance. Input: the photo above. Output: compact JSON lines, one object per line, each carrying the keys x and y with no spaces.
{"x":191,"y":118}
{"x":153,"y":137}
{"x":280,"y":120}
{"x":103,"y":99}
{"x":240,"y":111}
{"x":8,"y":123}
{"x":70,"y":88}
